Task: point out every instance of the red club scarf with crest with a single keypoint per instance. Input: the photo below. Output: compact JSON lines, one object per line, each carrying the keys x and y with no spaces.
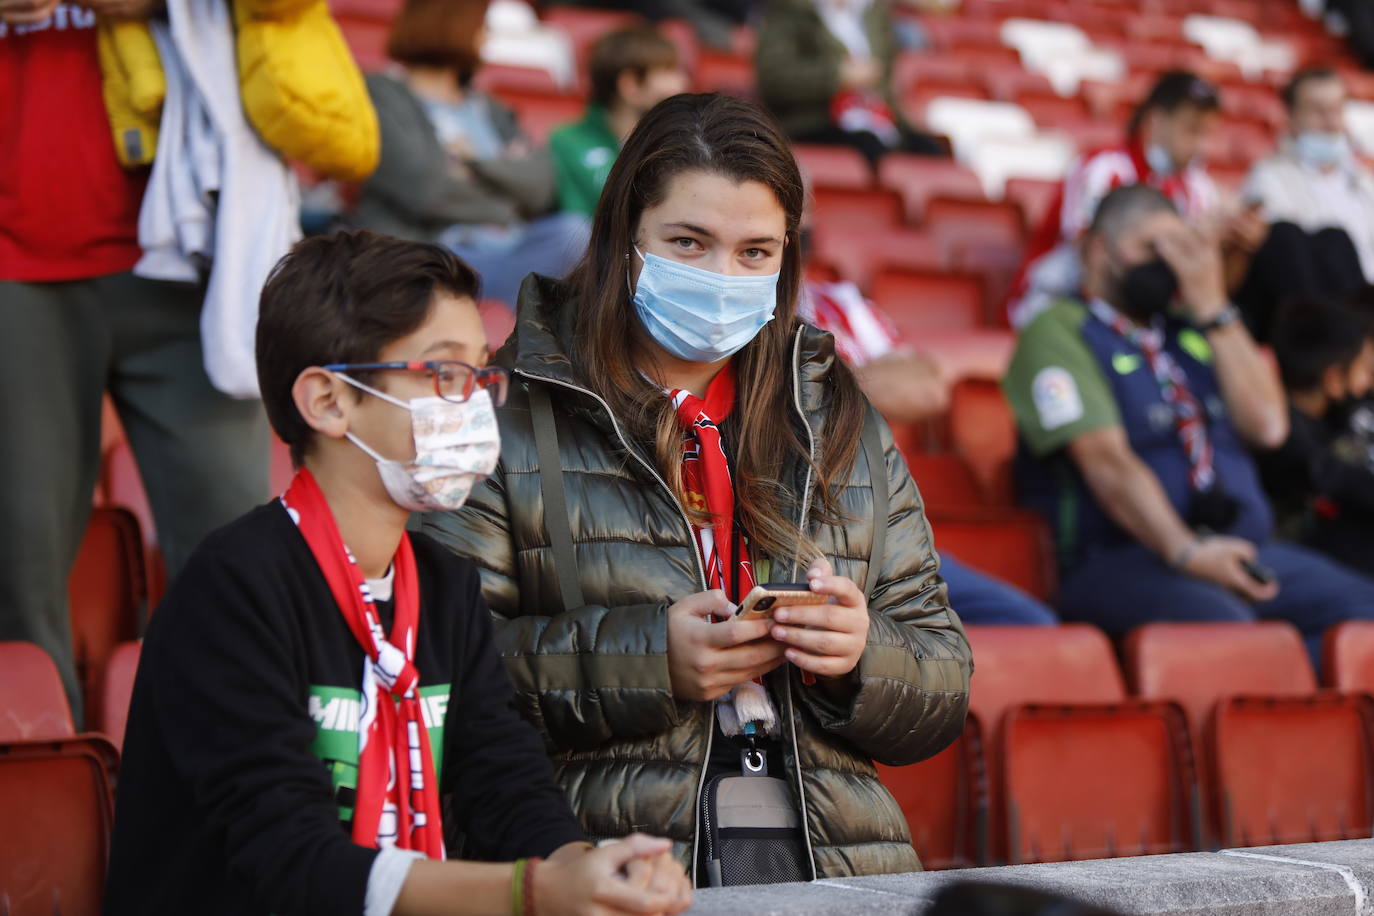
{"x":709,"y":487}
{"x":398,"y":794}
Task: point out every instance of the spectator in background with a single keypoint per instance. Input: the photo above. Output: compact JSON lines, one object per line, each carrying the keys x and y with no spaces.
{"x":81,"y":322}
{"x":905,"y":386}
{"x":455,"y":168}
{"x":1320,"y":201}
{"x":1163,"y":143}
{"x":1322,"y":479}
{"x":631,"y":71}
{"x":1134,"y":423}
{"x":825,"y":69}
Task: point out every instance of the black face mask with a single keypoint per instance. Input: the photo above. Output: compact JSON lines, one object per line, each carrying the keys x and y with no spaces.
{"x":1147,"y":290}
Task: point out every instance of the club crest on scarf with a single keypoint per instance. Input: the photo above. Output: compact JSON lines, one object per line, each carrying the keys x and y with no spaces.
{"x":393,"y":745}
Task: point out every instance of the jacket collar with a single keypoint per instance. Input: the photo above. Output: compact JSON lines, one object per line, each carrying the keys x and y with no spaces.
{"x":544,"y":332}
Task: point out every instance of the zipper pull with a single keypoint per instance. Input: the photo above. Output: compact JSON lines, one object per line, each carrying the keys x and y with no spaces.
{"x":752,"y":761}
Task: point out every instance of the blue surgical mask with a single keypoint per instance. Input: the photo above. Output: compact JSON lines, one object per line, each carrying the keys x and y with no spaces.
{"x":698,"y":315}
{"x":1322,"y":149}
{"x":1161,"y":163}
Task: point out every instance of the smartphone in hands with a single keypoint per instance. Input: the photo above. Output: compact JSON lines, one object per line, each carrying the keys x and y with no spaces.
{"x":762,"y":599}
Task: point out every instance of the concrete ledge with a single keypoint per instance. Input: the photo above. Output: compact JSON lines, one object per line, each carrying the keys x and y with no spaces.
{"x":1315,"y":879}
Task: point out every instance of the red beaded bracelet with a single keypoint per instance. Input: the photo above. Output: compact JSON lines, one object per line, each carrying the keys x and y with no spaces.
{"x":528,"y":894}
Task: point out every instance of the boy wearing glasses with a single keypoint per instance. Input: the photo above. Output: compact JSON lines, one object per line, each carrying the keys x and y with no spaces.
{"x":320,"y":717}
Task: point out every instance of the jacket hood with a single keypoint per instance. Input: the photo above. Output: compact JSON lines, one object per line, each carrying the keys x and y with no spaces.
{"x":545,"y":326}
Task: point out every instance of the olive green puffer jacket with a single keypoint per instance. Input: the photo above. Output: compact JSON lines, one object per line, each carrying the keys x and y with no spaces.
{"x":595,"y":678}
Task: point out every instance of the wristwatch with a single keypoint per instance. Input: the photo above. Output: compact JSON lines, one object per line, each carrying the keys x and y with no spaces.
{"x":1228,"y":315}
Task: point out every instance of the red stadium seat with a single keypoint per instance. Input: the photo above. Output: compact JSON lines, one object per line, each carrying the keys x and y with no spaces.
{"x":857,"y":256}
{"x":844,"y":208}
{"x":33,"y":703}
{"x":1091,"y":135}
{"x":107,"y":595}
{"x":376,"y":10}
{"x":494,"y":78}
{"x":1007,"y":84}
{"x":1034,"y":196}
{"x":122,"y":485}
{"x":119,"y":690}
{"x":1016,"y":665}
{"x":915,"y":67}
{"x":57,"y":808}
{"x":1348,"y":664}
{"x":1049,"y":109}
{"x":914,"y":99}
{"x":1011,"y":545}
{"x":1293,"y":770}
{"x":729,"y":74}
{"x":833,"y":166}
{"x":1069,"y":663}
{"x":960,"y":223}
{"x":945,"y":801}
{"x":1093,"y":782}
{"x":983,"y":430}
{"x":918,"y":301}
{"x":583,"y":25}
{"x":1198,"y":665}
{"x":945,"y":482}
{"x":963,"y":31}
{"x":919,"y":178}
{"x":366,"y":38}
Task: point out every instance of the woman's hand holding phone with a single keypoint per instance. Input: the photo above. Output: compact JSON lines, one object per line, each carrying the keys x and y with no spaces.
{"x":707,"y":659}
{"x":825,"y":639}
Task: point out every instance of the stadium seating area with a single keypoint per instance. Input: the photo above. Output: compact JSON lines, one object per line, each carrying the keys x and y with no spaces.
{"x":1203,"y":736}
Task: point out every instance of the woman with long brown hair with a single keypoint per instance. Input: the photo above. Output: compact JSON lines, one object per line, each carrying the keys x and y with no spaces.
{"x":673,"y":437}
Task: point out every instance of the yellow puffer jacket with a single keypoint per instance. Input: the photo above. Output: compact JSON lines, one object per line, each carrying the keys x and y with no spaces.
{"x":300,"y":87}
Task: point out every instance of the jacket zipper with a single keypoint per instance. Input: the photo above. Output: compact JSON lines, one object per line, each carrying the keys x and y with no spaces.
{"x":701,"y":580}
{"x":801,"y":525}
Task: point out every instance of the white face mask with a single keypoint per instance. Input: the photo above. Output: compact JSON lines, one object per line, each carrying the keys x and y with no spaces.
{"x":455,"y":446}
{"x":1161,"y":163}
{"x":1323,"y":149}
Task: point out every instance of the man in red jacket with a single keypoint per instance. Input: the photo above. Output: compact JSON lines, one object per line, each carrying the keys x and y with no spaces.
{"x":78,"y":322}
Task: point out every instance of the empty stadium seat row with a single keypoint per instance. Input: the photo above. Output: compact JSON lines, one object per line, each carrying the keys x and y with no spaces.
{"x":1227,"y":742}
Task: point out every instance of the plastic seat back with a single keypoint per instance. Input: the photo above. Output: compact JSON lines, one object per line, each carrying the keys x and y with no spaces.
{"x":865,"y":209}
{"x":1197,"y":664}
{"x":857,"y":255}
{"x":1349,"y":661}
{"x":33,"y":703}
{"x":107,"y":594}
{"x":983,"y":430}
{"x":944,"y":800}
{"x":1097,"y":782}
{"x":919,"y":178}
{"x":945,"y":482}
{"x":119,"y":691}
{"x":59,"y":792}
{"x":833,"y":166}
{"x":1070,"y":663}
{"x":1011,"y":545}
{"x":918,"y":301}
{"x":1293,"y":769}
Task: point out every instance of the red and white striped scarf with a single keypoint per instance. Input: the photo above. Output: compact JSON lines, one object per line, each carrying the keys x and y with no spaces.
{"x":398,"y":794}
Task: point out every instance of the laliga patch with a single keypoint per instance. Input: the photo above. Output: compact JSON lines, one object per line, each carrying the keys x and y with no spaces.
{"x":1056,"y":398}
